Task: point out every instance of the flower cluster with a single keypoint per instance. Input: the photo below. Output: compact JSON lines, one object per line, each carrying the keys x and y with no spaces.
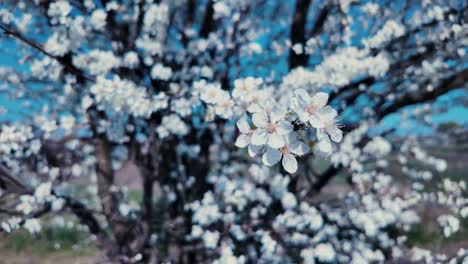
{"x":28,"y":204}
{"x":13,"y":138}
{"x":279,"y":132}
{"x":390,"y":30}
{"x":218,"y":101}
{"x":123,"y":94}
{"x":338,"y":69}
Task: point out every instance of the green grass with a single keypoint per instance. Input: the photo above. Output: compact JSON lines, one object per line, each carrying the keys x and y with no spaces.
{"x":135,"y":195}
{"x":456,"y":174}
{"x":421,"y":235}
{"x":51,"y":240}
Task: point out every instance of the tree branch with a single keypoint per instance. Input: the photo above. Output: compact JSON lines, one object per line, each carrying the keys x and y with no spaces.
{"x":298,"y":34}
{"x":453,"y":82}
{"x":9,"y":183}
{"x":72,"y":69}
{"x":325,"y":178}
{"x":320,"y":22}
{"x":208,"y":20}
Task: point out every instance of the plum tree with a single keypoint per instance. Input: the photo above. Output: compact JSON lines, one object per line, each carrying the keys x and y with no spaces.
{"x":205,"y":98}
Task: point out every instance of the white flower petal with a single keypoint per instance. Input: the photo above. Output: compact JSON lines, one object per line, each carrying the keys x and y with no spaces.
{"x":259,"y":137}
{"x":254,"y":108}
{"x":319,"y":99}
{"x":303,"y":115}
{"x":299,"y":148}
{"x":254,"y":150}
{"x":296,"y":104}
{"x":323,"y":147}
{"x":242,"y":141}
{"x":260,"y":119}
{"x":290,"y":138}
{"x":277,"y":114}
{"x":327,"y":113}
{"x":271,"y":156}
{"x":315,"y":122}
{"x":302,"y":95}
{"x":243,"y":125}
{"x":289,"y":163}
{"x":284,"y":127}
{"x":275,"y":140}
{"x":335,"y":134}
{"x":321,"y":134}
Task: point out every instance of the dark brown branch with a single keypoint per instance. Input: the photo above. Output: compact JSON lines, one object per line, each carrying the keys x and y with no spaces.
{"x":138,"y":26}
{"x":298,"y":34}
{"x":72,"y":69}
{"x":208,"y":20}
{"x":320,"y":22}
{"x":325,"y":178}
{"x":10,"y":184}
{"x":366,"y":81}
{"x":85,"y":216}
{"x":453,"y":82}
{"x":191,"y":10}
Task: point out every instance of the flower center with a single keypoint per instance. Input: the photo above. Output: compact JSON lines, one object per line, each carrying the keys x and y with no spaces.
{"x":213,"y":93}
{"x":284,"y":150}
{"x":310,"y":110}
{"x":271,"y":128}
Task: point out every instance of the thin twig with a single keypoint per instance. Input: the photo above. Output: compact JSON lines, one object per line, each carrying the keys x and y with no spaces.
{"x":33,"y":44}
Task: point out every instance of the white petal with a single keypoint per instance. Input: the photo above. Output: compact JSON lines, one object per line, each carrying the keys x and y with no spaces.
{"x":319,"y":99}
{"x":271,"y":156}
{"x":260,"y":119}
{"x":335,"y":134}
{"x":277,"y":114}
{"x":321,"y":134}
{"x":295,"y":104}
{"x":254,"y":150}
{"x":242,"y":141}
{"x":259,"y":137}
{"x":290,"y":138}
{"x":284,"y":127}
{"x":254,"y":108}
{"x":303,"y":115}
{"x":316,"y":122}
{"x":243,"y":125}
{"x":299,"y":148}
{"x":323,"y":147}
{"x":327,"y":113}
{"x":302,"y":95}
{"x":289,"y":163}
{"x":275,"y":140}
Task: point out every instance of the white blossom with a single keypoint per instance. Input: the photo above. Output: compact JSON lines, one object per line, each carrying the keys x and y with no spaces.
{"x":98,"y":19}
{"x":210,"y":239}
{"x":271,"y":127}
{"x":32,"y":225}
{"x":161,"y":72}
{"x":325,"y":252}
{"x":287,"y":153}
